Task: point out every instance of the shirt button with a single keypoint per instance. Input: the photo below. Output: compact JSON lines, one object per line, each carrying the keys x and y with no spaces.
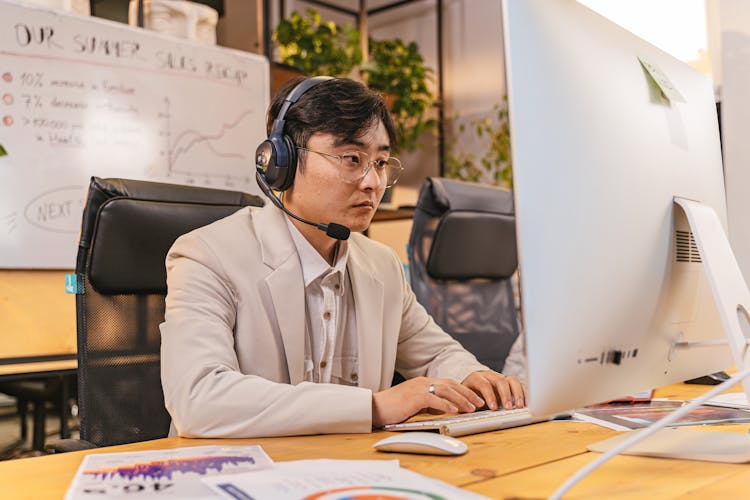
{"x":355,"y":377}
{"x":323,"y":364}
{"x":336,"y":286}
{"x":327,"y":315}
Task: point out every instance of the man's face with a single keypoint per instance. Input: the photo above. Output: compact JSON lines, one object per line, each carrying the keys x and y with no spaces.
{"x":320,"y":195}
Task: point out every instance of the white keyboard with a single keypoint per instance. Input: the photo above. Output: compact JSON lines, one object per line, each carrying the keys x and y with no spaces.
{"x":471,"y":423}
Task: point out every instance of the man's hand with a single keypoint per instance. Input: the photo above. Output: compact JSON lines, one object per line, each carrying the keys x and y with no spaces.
{"x":494,"y":387}
{"x":408,"y":398}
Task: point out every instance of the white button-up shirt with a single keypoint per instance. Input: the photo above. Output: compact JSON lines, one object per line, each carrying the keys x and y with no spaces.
{"x":331,"y":351}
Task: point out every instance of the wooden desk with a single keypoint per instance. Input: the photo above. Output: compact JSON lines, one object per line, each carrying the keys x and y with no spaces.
{"x":630,"y":476}
{"x":38,"y":369}
{"x":490,"y":455}
{"x":526,"y":462}
{"x":58,"y":371}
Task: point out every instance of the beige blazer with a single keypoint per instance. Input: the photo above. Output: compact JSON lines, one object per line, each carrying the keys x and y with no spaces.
{"x":234,"y":334}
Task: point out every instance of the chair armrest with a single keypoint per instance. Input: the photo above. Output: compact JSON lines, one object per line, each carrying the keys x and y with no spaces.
{"x":66,"y":445}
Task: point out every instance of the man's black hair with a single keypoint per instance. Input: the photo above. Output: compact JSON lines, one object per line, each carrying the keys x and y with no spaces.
{"x":341,"y":107}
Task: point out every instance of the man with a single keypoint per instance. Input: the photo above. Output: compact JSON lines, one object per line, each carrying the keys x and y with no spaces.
{"x":273,"y":327}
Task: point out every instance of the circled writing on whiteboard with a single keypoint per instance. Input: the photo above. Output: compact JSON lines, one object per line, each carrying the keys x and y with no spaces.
{"x":58,"y":210}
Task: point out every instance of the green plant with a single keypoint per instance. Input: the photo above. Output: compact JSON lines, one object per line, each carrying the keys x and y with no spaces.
{"x":394,"y":68}
{"x":494,"y":165}
{"x":318,"y":48}
{"x":398,"y":68}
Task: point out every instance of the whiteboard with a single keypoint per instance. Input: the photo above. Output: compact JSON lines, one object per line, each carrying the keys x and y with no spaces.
{"x":81,"y":96}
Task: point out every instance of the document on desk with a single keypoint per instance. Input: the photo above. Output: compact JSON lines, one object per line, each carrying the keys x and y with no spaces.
{"x":730,"y":400}
{"x":174,"y":473}
{"x":335,"y":480}
{"x":623,"y":417}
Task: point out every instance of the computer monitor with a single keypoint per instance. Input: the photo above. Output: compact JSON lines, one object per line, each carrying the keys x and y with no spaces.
{"x":606,"y":130}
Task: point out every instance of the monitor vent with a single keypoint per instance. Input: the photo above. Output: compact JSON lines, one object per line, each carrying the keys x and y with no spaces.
{"x":686,"y":249}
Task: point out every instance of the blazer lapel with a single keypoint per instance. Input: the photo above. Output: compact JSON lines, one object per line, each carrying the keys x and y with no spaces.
{"x":368,"y":304}
{"x":285,"y":285}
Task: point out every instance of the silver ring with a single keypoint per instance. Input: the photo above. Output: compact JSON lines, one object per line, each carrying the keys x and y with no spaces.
{"x":431,"y":389}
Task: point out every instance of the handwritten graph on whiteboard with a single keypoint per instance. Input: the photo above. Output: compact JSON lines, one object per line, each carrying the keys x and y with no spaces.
{"x":81,"y":97}
{"x":185,"y":151}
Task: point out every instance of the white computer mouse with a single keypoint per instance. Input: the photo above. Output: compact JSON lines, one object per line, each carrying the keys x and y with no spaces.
{"x":426,"y":443}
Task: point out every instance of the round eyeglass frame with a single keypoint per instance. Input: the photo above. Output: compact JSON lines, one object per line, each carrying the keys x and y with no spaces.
{"x":367,"y":162}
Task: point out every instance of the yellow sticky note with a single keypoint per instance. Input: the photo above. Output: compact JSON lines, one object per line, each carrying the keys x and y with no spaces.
{"x":660,"y":78}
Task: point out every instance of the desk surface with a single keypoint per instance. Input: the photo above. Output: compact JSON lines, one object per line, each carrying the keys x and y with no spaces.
{"x":523,"y":462}
{"x":626,"y":477}
{"x":38,"y":369}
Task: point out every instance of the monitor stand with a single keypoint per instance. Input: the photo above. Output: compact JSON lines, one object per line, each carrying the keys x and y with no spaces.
{"x":728,"y":286}
{"x":732,"y":299}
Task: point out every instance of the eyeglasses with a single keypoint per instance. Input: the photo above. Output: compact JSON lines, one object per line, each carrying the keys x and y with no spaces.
{"x":354,"y":166}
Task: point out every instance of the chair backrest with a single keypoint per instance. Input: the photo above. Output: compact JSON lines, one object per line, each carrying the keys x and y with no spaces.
{"x":128,"y":226}
{"x":462,"y":257}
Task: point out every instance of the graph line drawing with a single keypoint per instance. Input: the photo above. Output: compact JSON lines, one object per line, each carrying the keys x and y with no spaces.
{"x":188,"y":139}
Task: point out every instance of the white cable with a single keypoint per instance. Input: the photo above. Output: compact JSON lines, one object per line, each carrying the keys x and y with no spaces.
{"x":643,"y":434}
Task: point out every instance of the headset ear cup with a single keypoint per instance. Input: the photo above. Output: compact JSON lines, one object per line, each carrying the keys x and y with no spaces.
{"x":266,"y":160}
{"x":277,"y":154}
{"x":290,"y":169}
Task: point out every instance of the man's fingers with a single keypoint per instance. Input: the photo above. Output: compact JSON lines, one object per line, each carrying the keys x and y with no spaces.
{"x":498,"y":390}
{"x":518,"y":390}
{"x":435,"y":402}
{"x":477,"y":382}
{"x":465,"y":392}
{"x":502,"y":386}
{"x":470,"y":395}
{"x":455,"y":395}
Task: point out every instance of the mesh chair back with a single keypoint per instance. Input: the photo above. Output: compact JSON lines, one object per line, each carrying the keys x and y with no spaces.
{"x":128,"y":227}
{"x":462,"y":257}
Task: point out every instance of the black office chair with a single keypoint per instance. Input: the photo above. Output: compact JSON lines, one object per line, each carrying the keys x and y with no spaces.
{"x":128,"y":226}
{"x":462,"y":256}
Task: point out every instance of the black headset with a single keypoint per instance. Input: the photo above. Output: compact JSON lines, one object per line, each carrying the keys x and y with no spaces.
{"x":276,"y":157}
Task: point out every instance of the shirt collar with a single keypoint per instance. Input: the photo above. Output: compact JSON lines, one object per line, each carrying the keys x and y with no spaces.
{"x":313,"y":264}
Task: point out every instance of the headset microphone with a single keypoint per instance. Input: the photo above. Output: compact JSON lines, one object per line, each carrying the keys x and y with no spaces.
{"x":335,"y":231}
